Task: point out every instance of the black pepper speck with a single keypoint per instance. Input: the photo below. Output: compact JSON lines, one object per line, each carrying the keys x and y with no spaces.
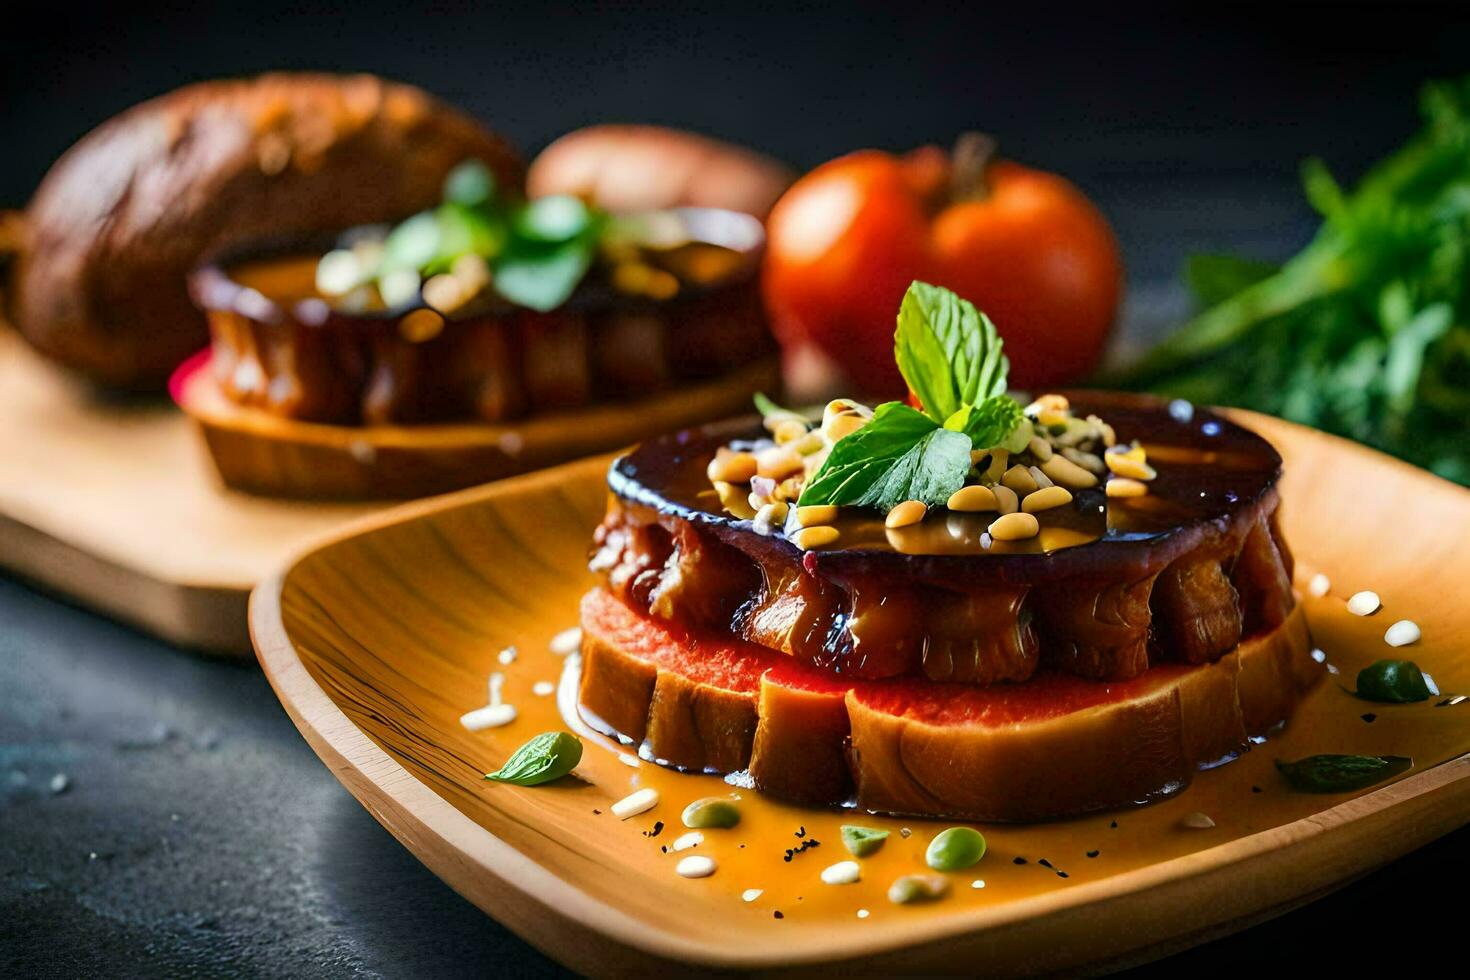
{"x":1370,"y":717}
{"x":1044,"y":863}
{"x":1114,"y":825}
{"x":1257,"y":789}
{"x":777,"y":914}
{"x":1063,"y":874}
{"x":1019,"y":861}
{"x":1093,"y":854}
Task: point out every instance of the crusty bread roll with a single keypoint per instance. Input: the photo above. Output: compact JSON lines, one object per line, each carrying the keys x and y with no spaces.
{"x":128,"y":211}
{"x":630,"y":168}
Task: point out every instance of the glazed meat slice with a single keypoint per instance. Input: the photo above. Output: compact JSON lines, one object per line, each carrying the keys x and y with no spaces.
{"x":1196,"y":610}
{"x":865,"y":626}
{"x":1096,"y":627}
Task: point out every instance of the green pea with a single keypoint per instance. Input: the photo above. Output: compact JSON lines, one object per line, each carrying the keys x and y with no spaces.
{"x":862,"y":841}
{"x":712,"y":811}
{"x":955,"y":849}
{"x":917,"y":888}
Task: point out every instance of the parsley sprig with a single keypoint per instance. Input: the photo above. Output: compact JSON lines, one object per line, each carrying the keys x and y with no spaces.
{"x":1366,"y":331}
{"x":950,"y":355}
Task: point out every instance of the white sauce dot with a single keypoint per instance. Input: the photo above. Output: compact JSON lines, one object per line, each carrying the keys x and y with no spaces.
{"x":862,"y":913}
{"x":1364,"y":603}
{"x":695,"y":866}
{"x":692,"y":839}
{"x":1320,"y":585}
{"x":567,"y":641}
{"x":543,"y":688}
{"x":1402,"y":633}
{"x":490,"y":716}
{"x":507,"y":656}
{"x":977,"y":883}
{"x":842,"y":873}
{"x":635,"y":803}
{"x":629,"y":759}
{"x":1320,"y":656}
{"x":751,"y":894}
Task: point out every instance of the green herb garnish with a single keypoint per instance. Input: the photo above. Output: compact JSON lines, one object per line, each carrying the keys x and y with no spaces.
{"x":950,"y":355}
{"x":1364,"y":333}
{"x":1392,"y":682}
{"x":536,"y":252}
{"x":548,"y":756}
{"x":862,"y":841}
{"x":1341,"y":773}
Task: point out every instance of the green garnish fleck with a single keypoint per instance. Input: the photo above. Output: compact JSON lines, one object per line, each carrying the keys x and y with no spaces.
{"x":862,"y":841}
{"x":548,"y":756}
{"x":1341,"y":773}
{"x":1393,"y":682}
{"x":955,"y":849}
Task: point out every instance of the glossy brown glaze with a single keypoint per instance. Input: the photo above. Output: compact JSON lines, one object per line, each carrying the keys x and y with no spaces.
{"x":280,"y":347}
{"x":1109,"y":586}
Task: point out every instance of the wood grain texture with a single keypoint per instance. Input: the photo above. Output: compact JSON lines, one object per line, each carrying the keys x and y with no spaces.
{"x":114,"y":504}
{"x":377,"y":640}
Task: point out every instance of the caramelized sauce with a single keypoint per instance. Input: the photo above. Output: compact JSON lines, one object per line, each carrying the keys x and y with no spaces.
{"x":1022,"y":861}
{"x":1208,"y":468}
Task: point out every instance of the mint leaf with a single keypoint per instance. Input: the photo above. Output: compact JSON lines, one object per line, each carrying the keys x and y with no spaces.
{"x":948,"y":351}
{"x":542,"y":282}
{"x":860,"y":460}
{"x":1341,"y":773}
{"x":1392,"y":682}
{"x":931,"y":471}
{"x":991,"y":423}
{"x":548,"y":756}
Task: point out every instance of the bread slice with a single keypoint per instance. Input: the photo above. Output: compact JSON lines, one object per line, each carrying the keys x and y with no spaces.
{"x":1056,"y":745}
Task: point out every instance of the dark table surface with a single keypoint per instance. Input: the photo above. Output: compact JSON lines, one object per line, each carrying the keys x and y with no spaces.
{"x":160,"y":815}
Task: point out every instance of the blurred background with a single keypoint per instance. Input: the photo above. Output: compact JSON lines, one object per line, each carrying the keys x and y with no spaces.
{"x":1186,"y":126}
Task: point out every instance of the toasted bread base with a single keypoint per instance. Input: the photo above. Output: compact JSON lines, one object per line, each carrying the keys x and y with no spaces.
{"x":1052,"y":747}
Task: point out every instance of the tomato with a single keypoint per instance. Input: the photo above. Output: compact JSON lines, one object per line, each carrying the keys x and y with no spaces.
{"x":1025,"y":246}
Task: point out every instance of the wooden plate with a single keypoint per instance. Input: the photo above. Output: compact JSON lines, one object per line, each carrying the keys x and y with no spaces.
{"x":379,"y":639}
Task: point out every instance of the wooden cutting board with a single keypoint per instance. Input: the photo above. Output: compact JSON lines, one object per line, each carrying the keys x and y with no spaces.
{"x":115,"y":504}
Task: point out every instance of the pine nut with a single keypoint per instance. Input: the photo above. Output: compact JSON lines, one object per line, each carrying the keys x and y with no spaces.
{"x":732,"y":498}
{"x":810,"y":443}
{"x":1364,"y":603}
{"x":1121,"y":486}
{"x":1402,"y":633}
{"x":1197,"y":821}
{"x":695,"y":866}
{"x":1050,"y":403}
{"x":817,"y":536}
{"x":1018,"y":478}
{"x":788,"y":430}
{"x":769,"y":518}
{"x":1042,"y":480}
{"x":778,"y":463}
{"x":1006,"y":500}
{"x":1088,"y":461}
{"x":906,"y":513}
{"x":1068,"y":474}
{"x":789,"y":488}
{"x":1014,"y":527}
{"x":972,"y":499}
{"x":728,"y":467}
{"x":815,"y":514}
{"x":1133,"y":451}
{"x":1124,"y":464}
{"x":1045,"y":499}
{"x":1040,"y":448}
{"x":1320,"y":585}
{"x":635,"y":803}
